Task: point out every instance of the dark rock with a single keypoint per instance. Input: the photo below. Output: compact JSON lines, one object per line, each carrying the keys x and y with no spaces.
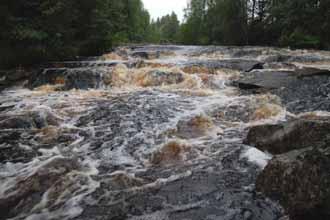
{"x":13,"y":77}
{"x":301,"y":90}
{"x":275,"y":79}
{"x":310,"y":57}
{"x":268,"y":79}
{"x":279,"y":65}
{"x":235,"y":64}
{"x":287,"y":136}
{"x":19,"y":122}
{"x":300,"y":181}
{"x":85,"y":79}
{"x":304,"y":72}
{"x":48,"y":76}
{"x":76,"y":78}
{"x":28,"y":191}
{"x":37,"y":119}
{"x":11,"y":150}
{"x":146,"y":54}
{"x":81,"y":64}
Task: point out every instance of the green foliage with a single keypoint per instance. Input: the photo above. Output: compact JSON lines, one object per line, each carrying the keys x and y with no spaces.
{"x":295,"y":23}
{"x":194,"y":28}
{"x":35,"y":31}
{"x":43,"y":30}
{"x":298,"y":39}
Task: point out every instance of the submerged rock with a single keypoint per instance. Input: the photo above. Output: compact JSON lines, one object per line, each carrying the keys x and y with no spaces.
{"x":300,"y":181}
{"x":194,"y":127}
{"x":170,"y":152}
{"x":287,"y":136}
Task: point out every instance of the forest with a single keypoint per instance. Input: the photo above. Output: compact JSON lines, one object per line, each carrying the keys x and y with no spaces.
{"x":36,"y":31}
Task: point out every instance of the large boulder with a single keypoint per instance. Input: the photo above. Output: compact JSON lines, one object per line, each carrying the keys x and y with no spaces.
{"x":287,"y":136}
{"x":301,"y":90}
{"x":300,"y":181}
{"x":266,"y":79}
{"x":277,"y":79}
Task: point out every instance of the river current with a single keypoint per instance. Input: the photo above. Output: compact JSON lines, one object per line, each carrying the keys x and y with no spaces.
{"x":159,"y":138}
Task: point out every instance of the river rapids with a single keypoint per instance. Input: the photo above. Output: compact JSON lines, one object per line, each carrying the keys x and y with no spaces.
{"x":143,"y":133}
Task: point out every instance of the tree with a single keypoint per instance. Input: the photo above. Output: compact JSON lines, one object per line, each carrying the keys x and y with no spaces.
{"x":43,"y":30}
{"x":165,"y":29}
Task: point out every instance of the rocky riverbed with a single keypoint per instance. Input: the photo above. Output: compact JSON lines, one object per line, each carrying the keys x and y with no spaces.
{"x":168,"y":133}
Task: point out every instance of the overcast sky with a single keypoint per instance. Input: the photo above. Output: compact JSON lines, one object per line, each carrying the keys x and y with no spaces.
{"x":158,"y":8}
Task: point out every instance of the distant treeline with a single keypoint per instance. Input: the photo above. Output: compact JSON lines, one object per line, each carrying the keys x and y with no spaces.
{"x":294,"y":23}
{"x":34,"y":31}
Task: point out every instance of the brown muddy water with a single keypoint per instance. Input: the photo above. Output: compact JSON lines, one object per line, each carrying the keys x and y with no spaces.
{"x":144,"y":133}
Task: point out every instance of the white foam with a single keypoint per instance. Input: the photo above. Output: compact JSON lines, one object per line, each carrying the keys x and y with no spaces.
{"x":256,"y":156}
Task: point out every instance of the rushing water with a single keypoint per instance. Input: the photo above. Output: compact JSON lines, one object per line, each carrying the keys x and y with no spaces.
{"x":142,"y":146}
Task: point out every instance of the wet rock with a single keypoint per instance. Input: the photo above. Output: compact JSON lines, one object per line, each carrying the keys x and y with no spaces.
{"x":27,"y":191}
{"x":234,"y":64}
{"x":36,"y":119}
{"x":146,"y":54}
{"x":48,"y":76}
{"x":84,"y":79}
{"x":300,"y":181}
{"x":16,"y":154}
{"x":268,"y":79}
{"x":76,"y":78}
{"x":13,"y":77}
{"x":275,"y":79}
{"x":83,"y":64}
{"x":308,"y":71}
{"x":301,"y":90}
{"x":19,"y":122}
{"x":12,"y":148}
{"x":307,"y":57}
{"x":287,"y":136}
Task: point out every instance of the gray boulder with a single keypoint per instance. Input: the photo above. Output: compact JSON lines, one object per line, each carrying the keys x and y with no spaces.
{"x":300,"y":181}
{"x":301,"y":90}
{"x":287,"y":136}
